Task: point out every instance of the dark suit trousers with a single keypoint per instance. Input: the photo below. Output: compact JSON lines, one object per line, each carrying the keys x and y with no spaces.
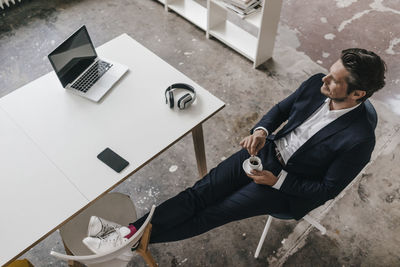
{"x":224,"y":195}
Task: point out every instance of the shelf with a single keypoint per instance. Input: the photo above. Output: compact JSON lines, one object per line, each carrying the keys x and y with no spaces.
{"x":234,"y":31}
{"x":219,"y":3}
{"x":237,"y":38}
{"x":254,"y":19}
{"x":190,"y":10}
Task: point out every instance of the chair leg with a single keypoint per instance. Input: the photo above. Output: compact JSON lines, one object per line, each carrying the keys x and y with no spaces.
{"x":314,"y":223}
{"x":143,"y":247}
{"x":262,"y":239}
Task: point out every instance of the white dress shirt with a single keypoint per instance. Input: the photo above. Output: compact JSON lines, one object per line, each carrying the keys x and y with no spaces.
{"x":289,"y":144}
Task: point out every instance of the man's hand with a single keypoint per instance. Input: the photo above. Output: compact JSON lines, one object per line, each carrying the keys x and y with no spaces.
{"x":263,"y":177}
{"x":253,"y":143}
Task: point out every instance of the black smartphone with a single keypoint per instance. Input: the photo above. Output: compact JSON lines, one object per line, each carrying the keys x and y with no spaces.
{"x":113,"y":160}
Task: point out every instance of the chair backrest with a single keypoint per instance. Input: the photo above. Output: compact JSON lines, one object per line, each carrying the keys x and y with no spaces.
{"x":113,"y":254}
{"x":372,"y":116}
{"x":282,"y":216}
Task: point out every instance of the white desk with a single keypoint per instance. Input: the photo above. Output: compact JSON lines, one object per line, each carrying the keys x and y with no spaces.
{"x":69,"y":131}
{"x":35,"y":195}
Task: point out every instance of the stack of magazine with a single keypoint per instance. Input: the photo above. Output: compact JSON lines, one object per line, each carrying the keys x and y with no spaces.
{"x":243,"y":7}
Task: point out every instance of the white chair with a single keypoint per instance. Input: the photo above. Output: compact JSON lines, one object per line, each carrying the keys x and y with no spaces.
{"x":307,"y":217}
{"x":373,"y":118}
{"x":114,"y":207}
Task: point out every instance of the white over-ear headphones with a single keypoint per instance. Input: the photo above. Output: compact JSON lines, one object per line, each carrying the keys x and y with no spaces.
{"x":183,"y":102}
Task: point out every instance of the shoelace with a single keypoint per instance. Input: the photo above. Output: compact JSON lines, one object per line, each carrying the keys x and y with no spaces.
{"x":109,"y":230}
{"x":106,"y":229}
{"x":118,"y":240}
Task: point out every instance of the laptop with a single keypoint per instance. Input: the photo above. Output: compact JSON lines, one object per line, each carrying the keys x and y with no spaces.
{"x":80,"y":70}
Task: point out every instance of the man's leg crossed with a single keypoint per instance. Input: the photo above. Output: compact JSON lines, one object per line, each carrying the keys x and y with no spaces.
{"x":219,"y":183}
{"x":250,"y":200}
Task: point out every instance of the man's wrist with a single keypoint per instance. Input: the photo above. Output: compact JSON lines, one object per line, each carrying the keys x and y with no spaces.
{"x":281,"y":178}
{"x":260,"y":132}
{"x":274,"y":183}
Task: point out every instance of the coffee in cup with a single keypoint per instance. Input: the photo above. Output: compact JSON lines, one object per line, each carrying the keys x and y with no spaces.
{"x":255,"y":162}
{"x":252,"y":163}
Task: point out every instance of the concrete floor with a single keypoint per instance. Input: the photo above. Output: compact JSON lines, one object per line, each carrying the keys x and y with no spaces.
{"x":363,"y":223}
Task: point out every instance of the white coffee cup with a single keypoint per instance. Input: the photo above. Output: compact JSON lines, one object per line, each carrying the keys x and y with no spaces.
{"x":252,"y":163}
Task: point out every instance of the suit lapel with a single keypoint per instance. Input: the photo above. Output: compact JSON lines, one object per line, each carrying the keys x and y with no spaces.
{"x":332,"y":128}
{"x":304,"y":111}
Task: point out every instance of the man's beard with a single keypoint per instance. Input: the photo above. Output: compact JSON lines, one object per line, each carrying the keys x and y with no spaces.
{"x":338,"y":99}
{"x":334,"y":99}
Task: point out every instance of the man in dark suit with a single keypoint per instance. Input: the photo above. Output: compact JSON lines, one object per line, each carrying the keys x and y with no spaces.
{"x":327,"y":140}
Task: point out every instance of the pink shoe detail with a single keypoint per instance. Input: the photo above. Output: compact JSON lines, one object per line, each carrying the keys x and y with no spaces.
{"x":133,"y":231}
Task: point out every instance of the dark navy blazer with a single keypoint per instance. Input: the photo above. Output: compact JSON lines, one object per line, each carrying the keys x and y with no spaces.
{"x":326,"y":163}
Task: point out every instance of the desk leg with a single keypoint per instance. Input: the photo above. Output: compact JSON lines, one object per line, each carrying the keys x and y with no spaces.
{"x":198,"y":142}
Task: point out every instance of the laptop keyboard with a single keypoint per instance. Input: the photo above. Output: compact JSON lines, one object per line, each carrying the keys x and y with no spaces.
{"x":91,"y":76}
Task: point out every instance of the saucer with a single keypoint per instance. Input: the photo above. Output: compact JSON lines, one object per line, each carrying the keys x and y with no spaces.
{"x":246,"y":166}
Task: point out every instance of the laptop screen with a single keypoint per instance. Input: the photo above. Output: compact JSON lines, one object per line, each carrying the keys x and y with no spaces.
{"x":73,"y":56}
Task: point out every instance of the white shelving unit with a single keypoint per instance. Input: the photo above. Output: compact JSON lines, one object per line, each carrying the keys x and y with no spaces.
{"x":214,"y":20}
{"x":235,"y":37}
{"x":190,"y":10}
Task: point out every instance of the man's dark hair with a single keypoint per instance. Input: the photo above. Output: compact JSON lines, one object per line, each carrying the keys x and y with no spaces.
{"x":367,"y":71}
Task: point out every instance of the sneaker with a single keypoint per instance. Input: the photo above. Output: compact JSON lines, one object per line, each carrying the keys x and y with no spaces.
{"x":101,"y":245}
{"x":99,"y":227}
